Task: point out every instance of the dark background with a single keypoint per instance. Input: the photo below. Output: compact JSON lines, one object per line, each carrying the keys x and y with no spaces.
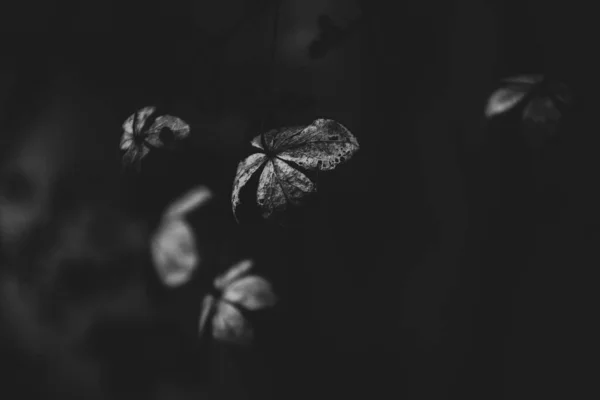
{"x":448,"y":259}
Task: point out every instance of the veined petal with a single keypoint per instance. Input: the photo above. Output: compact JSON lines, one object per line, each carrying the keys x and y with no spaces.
{"x":126,"y":142}
{"x":322,"y":145}
{"x":245,"y":170}
{"x":179,"y":127}
{"x":142,"y":116}
{"x":269,"y":194}
{"x":294,"y":183}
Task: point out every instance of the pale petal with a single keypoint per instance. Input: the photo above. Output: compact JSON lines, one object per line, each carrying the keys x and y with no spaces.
{"x":128,"y":124}
{"x":294,"y":183}
{"x":270,"y":195}
{"x":126,"y":142}
{"x":503,"y":100}
{"x":142,"y":116}
{"x":233,"y":274}
{"x":207,"y":306}
{"x":193,"y":199}
{"x":179,"y":127}
{"x":245,"y":170}
{"x":174,"y":253}
{"x":320,"y":146}
{"x":251,"y":292}
{"x":230,"y":326}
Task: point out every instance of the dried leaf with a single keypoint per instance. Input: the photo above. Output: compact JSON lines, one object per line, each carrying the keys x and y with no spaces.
{"x":320,"y":146}
{"x":137,"y":140}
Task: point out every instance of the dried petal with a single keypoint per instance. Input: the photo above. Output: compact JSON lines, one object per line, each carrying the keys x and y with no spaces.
{"x":276,"y":138}
{"x":126,"y":140}
{"x":176,"y":125}
{"x":245,"y":170}
{"x":128,"y":124}
{"x":322,"y":145}
{"x":270,"y":195}
{"x":294,"y":183}
{"x":142,"y":116}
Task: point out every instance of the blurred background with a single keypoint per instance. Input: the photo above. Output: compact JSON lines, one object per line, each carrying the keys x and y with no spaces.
{"x":448,"y":259}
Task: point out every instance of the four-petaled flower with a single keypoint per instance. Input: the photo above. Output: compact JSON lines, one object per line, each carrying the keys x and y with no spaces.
{"x":237,"y":290}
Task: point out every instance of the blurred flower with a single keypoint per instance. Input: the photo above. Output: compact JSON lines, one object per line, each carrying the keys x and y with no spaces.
{"x":137,"y":141}
{"x":238,"y":289}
